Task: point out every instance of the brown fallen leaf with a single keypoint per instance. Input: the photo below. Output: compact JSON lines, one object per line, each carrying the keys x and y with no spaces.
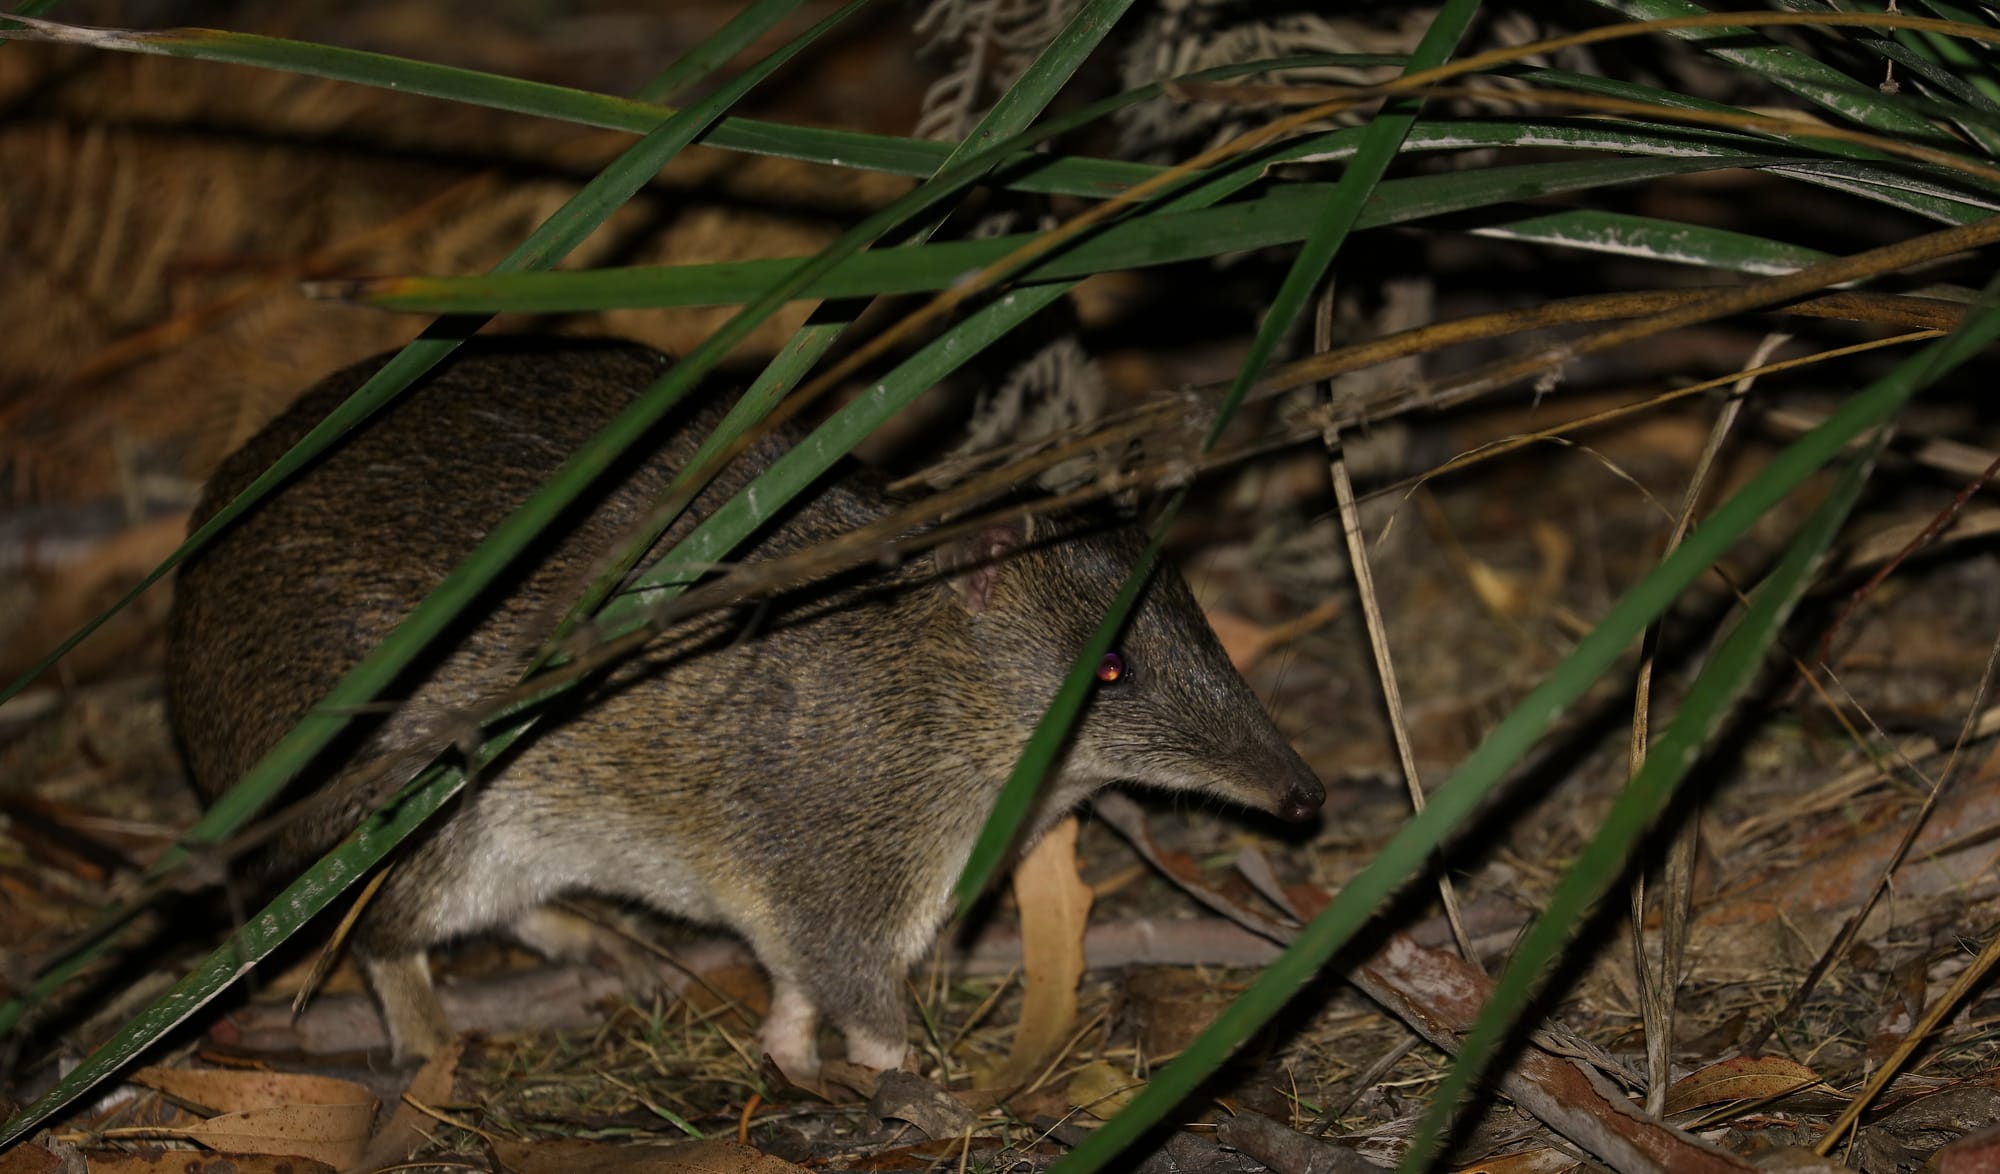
{"x":334,"y":1134}
{"x":737,"y":996}
{"x":236,"y":1090}
{"x":1517,"y":596}
{"x":262,"y":1112}
{"x":1746,"y":1078}
{"x":1055,"y":910}
{"x":35,"y":1157}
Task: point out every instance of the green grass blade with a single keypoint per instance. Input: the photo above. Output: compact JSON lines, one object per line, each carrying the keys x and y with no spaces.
{"x":1584,"y":83}
{"x":1344,"y":209}
{"x":1510,"y":740}
{"x":917,"y":158}
{"x":1282,"y":217}
{"x":1979,"y":114}
{"x":1915,"y":55}
{"x":1790,"y":70}
{"x":1948,"y":197}
{"x":1010,"y":809}
{"x":1728,"y":671}
{"x":1623,"y":234}
{"x":1943,"y":204}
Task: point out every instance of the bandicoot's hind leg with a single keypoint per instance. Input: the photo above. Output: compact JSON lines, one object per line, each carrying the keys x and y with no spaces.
{"x":453,"y":884}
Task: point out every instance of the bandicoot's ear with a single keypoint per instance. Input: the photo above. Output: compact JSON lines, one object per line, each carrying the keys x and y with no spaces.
{"x":971,"y":564}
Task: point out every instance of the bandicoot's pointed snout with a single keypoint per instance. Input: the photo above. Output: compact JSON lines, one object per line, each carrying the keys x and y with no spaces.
{"x":1299,"y":792}
{"x":1304,"y":797}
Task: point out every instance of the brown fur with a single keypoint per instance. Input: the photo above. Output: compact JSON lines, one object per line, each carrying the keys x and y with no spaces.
{"x":810,"y":773}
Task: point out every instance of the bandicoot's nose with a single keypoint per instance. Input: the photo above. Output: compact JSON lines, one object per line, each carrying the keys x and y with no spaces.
{"x":1304,"y":797}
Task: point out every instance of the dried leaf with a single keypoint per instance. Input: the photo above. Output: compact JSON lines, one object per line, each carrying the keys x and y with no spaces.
{"x":32,"y":1157}
{"x":236,"y":1090}
{"x":1744,"y":1079}
{"x":334,"y":1134}
{"x":725,"y":993}
{"x":1055,"y":908}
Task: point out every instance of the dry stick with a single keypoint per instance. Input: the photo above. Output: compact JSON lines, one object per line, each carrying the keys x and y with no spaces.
{"x":1658,"y":984}
{"x":1378,"y":638}
{"x":1930,"y":316}
{"x":1363,"y":1083}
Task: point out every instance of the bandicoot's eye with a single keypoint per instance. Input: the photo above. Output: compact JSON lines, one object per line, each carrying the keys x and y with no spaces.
{"x":1111,"y":669}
